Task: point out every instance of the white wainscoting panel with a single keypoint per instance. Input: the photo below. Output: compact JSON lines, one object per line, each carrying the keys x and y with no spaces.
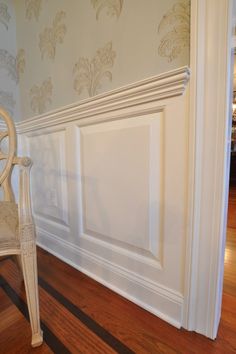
{"x":109,"y":189}
{"x":122,"y":183}
{"x":49,"y":177}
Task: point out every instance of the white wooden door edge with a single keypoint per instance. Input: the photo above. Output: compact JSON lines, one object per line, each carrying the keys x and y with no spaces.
{"x":211,"y":35}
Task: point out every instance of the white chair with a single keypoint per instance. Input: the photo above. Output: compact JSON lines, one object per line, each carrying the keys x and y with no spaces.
{"x":17,"y":230}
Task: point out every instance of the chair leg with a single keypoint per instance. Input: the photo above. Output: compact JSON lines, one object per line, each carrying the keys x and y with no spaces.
{"x":30,"y":274}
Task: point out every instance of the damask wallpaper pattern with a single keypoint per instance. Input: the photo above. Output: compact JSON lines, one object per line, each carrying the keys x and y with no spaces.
{"x":41,"y":96}
{"x":51,"y":36}
{"x":71,"y":50}
{"x":8,"y":63}
{"x":89,"y":73}
{"x":9,"y":77}
{"x":33,"y":9}
{"x":7,"y":101}
{"x":112,"y":7}
{"x":175,"y":25}
{"x":20,"y":61}
{"x":4,"y":15}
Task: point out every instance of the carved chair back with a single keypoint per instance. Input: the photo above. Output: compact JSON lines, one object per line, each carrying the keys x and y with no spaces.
{"x":8,"y":157}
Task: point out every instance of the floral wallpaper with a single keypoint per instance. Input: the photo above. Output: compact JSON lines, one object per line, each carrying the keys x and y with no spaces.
{"x":32,"y":9}
{"x":175,"y":25}
{"x":4,"y":15}
{"x":71,"y":50}
{"x":51,"y":36}
{"x":41,"y":96}
{"x":7,"y":101}
{"x":20,"y":61}
{"x":112,"y":7}
{"x":89,"y":73}
{"x":8,"y":63}
{"x":9,"y":76}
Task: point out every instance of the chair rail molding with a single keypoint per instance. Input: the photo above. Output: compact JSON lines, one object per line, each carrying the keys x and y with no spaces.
{"x":211,"y":23}
{"x":161,"y":87}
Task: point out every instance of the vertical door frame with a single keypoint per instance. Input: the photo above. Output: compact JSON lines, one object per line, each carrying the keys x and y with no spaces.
{"x":209,"y":112}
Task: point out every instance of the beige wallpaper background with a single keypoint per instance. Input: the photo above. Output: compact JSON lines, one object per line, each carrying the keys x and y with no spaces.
{"x":69,"y":50}
{"x":9,"y":78}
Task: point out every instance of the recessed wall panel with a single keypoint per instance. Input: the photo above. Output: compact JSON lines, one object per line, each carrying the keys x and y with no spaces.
{"x":121,"y":183}
{"x":49,"y":184}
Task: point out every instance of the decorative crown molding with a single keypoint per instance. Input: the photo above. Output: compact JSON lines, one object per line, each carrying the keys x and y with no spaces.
{"x":160,"y":87}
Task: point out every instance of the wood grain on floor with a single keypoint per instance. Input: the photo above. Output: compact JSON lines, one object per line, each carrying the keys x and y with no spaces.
{"x":80,"y":315}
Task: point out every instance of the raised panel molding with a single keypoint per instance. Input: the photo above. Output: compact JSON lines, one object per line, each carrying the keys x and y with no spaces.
{"x":116,"y":196}
{"x":49,"y":184}
{"x":122,"y":187}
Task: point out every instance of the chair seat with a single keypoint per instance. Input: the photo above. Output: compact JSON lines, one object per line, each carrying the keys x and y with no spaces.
{"x":8,"y":222}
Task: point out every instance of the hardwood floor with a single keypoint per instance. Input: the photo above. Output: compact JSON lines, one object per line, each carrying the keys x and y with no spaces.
{"x":230,"y":250}
{"x":81,"y":316}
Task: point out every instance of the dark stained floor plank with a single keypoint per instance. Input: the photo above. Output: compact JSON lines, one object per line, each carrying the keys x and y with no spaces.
{"x":15,"y":333}
{"x":70,"y":331}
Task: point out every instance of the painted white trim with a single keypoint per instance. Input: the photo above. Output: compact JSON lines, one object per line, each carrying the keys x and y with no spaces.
{"x":208,"y":137}
{"x":169,"y":299}
{"x":160,"y":87}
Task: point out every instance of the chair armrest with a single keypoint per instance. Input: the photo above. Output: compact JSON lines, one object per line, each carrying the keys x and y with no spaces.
{"x":25,"y":211}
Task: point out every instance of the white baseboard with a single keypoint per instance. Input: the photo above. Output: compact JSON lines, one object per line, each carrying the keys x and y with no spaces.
{"x":155,"y":298}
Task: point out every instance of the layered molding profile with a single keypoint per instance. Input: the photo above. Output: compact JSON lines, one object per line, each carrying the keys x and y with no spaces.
{"x":91,"y":264}
{"x":160,"y":87}
{"x":130,"y":148}
{"x":209,"y":146}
